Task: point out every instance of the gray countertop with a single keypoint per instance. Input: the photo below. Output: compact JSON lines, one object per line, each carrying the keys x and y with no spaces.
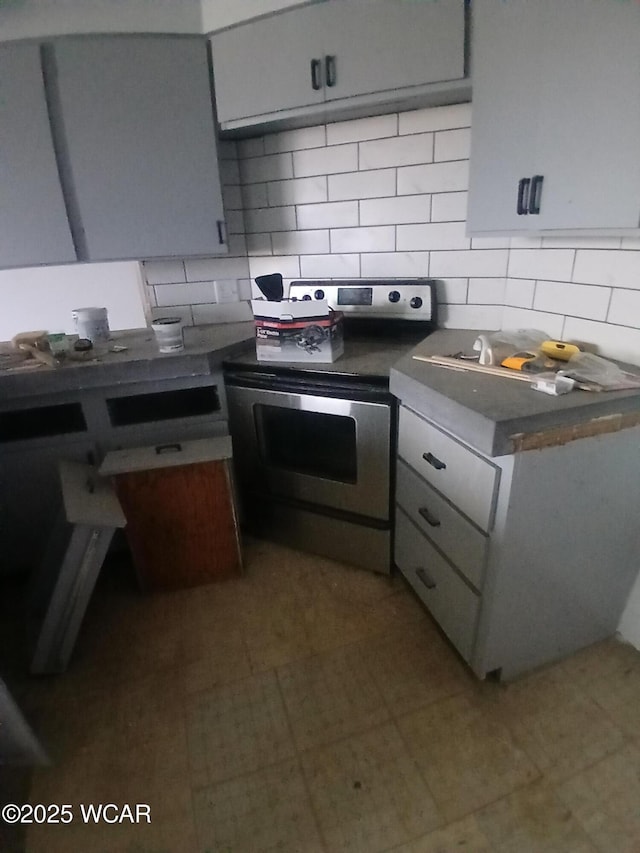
{"x":205,"y":347}
{"x":499,"y":416}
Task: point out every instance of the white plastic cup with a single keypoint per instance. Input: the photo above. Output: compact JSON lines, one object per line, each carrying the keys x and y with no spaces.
{"x":168,"y":333}
{"x":92,"y":324}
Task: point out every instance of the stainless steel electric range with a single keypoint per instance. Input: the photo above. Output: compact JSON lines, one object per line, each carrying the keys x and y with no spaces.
{"x":314,"y":445}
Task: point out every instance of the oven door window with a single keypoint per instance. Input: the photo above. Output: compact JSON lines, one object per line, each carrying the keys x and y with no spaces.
{"x":313,"y":443}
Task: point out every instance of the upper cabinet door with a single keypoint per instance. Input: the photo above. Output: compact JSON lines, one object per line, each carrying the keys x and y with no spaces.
{"x":33,"y":219}
{"x":555,"y":96}
{"x":382,"y":45}
{"x":137,"y":122}
{"x":504,"y":124}
{"x":266,"y":65}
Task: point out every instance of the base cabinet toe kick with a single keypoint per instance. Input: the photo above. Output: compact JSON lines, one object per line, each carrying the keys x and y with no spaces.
{"x":521,"y":559}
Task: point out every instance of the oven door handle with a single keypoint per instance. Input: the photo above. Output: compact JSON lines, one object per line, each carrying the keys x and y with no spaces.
{"x":365,"y":392}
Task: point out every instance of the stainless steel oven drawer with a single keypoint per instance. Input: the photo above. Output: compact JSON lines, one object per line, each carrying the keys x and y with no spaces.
{"x":461,"y":541}
{"x":466,"y":479}
{"x":452,"y":603}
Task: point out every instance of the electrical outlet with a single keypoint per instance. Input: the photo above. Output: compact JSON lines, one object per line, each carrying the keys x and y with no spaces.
{"x":226,"y":290}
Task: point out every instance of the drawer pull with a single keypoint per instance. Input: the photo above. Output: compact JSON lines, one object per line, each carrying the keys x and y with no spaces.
{"x":438,"y":464}
{"x":431,"y":520}
{"x":426,"y":580}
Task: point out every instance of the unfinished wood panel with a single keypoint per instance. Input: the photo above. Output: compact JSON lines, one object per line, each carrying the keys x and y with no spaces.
{"x":181,"y":524}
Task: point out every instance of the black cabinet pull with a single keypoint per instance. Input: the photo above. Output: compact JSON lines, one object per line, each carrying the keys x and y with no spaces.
{"x":316,"y":82}
{"x":431,"y":520}
{"x":433,"y":460}
{"x":220,"y":225}
{"x":523,"y":196}
{"x":535,"y":193}
{"x":330,"y":70}
{"x":426,"y":580}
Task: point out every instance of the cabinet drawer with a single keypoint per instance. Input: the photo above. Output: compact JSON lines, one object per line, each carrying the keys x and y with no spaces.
{"x":451,"y":602}
{"x":466,"y":479}
{"x":463,"y":543}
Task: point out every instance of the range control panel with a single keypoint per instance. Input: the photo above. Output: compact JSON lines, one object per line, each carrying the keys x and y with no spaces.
{"x":406,"y":299}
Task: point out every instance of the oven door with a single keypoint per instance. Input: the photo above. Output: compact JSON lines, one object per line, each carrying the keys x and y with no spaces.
{"x":320,"y":450}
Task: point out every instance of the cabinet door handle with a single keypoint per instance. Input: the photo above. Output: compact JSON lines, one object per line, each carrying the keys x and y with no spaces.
{"x":429,"y":517}
{"x":523,"y":196}
{"x":316,"y":82}
{"x":330,"y":70}
{"x":426,"y":580}
{"x":438,"y":464}
{"x":535,"y":193}
{"x":220,"y":226}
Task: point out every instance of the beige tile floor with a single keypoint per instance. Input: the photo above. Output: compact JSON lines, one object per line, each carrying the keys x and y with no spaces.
{"x":309,"y":706}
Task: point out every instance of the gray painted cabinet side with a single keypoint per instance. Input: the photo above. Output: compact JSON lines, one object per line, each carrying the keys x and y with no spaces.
{"x":33,"y":220}
{"x":137,"y":119}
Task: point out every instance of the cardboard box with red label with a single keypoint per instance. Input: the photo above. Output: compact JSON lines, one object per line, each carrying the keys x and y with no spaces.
{"x":297,"y":330}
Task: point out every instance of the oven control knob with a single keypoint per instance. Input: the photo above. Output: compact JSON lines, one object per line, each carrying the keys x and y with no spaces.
{"x":319,"y":294}
{"x":394,"y":296}
{"x":416,"y":302}
{"x":306,"y":298}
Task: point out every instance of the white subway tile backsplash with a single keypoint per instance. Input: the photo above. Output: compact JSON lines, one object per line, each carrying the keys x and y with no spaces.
{"x":330,"y":215}
{"x":251,"y":147}
{"x":229,"y":172}
{"x":489,"y":262}
{"x":237,"y":245}
{"x":259,"y":244}
{"x":227,"y":149}
{"x":630,"y":243}
{"x":610,"y":341}
{"x":325,"y":161}
{"x":486,"y":291}
{"x":449,"y":207}
{"x":435,"y":118}
{"x":397,"y":151}
{"x":578,"y":242}
{"x":297,"y":191}
{"x":616,"y":269}
{"x":164,"y":272}
{"x":393,"y":211}
{"x":576,"y":299}
{"x":271,"y":167}
{"x":552,"y":325}
{"x":209,"y":269}
{"x":270,"y":219}
{"x":375,"y":239}
{"x":490,"y":242}
{"x":228,"y":312}
{"x":395,"y":265}
{"x":300,"y":242}
{"x":452,"y":290}
{"x":526,"y":242}
{"x":625,"y":308}
{"x":244,"y":289}
{"x":183,"y":294}
{"x":452,"y":144}
{"x":234,"y":221}
{"x":330,"y":266}
{"x":232,"y":197}
{"x":519,"y":292}
{"x":359,"y":129}
{"x":433,"y":178}
{"x":470,"y":317}
{"x":254,"y":195}
{"x":287,"y":265}
{"x":549,"y":264}
{"x":434,"y":235}
{"x":295,"y":140}
{"x":357,"y":185}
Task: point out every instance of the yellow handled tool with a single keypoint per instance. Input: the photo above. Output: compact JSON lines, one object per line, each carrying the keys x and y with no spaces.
{"x":558,"y":349}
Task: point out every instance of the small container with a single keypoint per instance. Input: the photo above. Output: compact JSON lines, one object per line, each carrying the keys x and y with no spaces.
{"x":168,"y":332}
{"x":92,"y":324}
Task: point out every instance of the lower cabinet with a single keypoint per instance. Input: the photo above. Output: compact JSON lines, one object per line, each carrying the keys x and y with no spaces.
{"x":532,"y":560}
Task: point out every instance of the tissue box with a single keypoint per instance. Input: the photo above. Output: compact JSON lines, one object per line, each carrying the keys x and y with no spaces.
{"x":298,"y":331}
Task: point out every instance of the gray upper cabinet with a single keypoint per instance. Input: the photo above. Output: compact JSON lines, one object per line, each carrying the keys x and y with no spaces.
{"x":33,"y":219}
{"x":555,"y":121}
{"x":135,"y":118}
{"x":330,"y":56}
